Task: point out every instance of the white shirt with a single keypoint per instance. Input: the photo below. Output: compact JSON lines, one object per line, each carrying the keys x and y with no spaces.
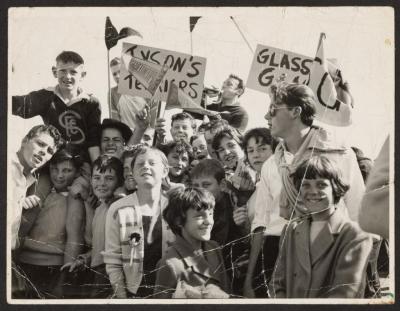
{"x":266,"y":212}
{"x":17,"y":186}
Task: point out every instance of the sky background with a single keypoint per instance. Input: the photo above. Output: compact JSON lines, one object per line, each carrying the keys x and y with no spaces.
{"x":361,"y":38}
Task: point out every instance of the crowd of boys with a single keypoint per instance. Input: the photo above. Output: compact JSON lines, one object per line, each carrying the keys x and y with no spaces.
{"x":245,"y":225}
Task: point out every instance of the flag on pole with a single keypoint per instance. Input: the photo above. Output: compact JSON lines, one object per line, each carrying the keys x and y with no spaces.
{"x":193,"y":21}
{"x":148,"y":74}
{"x":111,"y":35}
{"x":179,"y":99}
{"x":334,"y":101}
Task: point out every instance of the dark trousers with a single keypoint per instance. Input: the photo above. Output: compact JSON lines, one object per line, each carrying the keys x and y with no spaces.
{"x":265,"y":265}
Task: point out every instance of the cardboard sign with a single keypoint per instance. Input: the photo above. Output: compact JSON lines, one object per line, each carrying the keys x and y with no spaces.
{"x":270,"y":63}
{"x":186,"y":71}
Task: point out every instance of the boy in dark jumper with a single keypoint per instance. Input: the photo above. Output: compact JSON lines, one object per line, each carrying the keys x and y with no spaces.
{"x":73,"y":112}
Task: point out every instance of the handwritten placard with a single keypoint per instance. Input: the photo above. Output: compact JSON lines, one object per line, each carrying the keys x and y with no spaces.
{"x":270,"y":63}
{"x":186,"y":71}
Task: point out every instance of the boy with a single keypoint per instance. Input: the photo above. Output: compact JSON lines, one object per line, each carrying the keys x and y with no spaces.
{"x":193,"y":265}
{"x":37,"y":148}
{"x":210,"y":175}
{"x":183,"y":126}
{"x":74,"y":113}
{"x":124,"y":107}
{"x":114,"y":136}
{"x":211,"y":129}
{"x":42,"y":254}
{"x":179,"y":155}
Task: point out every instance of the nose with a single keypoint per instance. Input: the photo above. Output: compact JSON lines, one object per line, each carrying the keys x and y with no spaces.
{"x":267,"y":116}
{"x":256,"y":154}
{"x":226,"y":152}
{"x":209,"y":220}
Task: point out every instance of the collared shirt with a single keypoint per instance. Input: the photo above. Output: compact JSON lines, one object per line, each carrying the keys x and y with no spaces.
{"x":266,"y":210}
{"x":17,"y":184}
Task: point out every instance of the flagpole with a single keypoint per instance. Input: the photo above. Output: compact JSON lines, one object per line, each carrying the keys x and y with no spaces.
{"x":109,"y":84}
{"x":191,"y":44}
{"x":244,"y":38}
{"x":157,"y":117}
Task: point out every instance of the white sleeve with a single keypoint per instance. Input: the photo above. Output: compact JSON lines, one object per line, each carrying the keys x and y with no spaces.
{"x":352,"y":174}
{"x":264,"y":202}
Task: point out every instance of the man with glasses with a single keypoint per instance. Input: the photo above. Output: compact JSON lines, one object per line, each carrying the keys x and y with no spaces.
{"x":290,"y":118}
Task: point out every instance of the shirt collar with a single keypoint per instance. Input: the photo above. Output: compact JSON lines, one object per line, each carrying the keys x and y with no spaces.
{"x":81,"y":95}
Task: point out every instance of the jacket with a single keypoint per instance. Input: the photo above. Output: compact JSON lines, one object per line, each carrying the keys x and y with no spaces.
{"x":339,"y":255}
{"x":182,"y":263}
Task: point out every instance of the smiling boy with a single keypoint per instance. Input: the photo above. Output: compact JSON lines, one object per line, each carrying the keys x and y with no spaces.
{"x":74,"y":113}
{"x":192,"y":266}
{"x":37,"y":148}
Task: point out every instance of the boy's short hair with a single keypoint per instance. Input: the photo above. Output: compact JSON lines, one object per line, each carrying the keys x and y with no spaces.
{"x":105,"y":162}
{"x":70,"y":56}
{"x":180,"y":200}
{"x":115,"y":61}
{"x":240,"y":84}
{"x":296,"y":95}
{"x":48,"y":129}
{"x":319,"y":166}
{"x":180,"y":147}
{"x":227,"y":132}
{"x":262,"y":135}
{"x":142,"y":149}
{"x":184,"y":116}
{"x":70,"y":153}
{"x":208,"y":167}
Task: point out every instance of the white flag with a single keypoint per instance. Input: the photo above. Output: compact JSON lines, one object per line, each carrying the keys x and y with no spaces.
{"x":334,"y":101}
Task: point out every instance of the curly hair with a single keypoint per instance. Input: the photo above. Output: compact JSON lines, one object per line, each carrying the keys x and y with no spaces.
{"x":47,"y":129}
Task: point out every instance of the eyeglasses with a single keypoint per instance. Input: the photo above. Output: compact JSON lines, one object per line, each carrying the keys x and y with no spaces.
{"x":272,"y":109}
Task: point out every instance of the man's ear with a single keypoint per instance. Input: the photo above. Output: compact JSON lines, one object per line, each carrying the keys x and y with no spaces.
{"x":83,"y":74}
{"x":239,"y":92}
{"x":297,"y":112}
{"x":54,"y":71}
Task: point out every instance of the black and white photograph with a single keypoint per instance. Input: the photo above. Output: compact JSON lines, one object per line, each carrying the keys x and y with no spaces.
{"x":202,"y":155}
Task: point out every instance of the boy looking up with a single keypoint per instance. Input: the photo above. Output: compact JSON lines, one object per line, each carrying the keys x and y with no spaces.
{"x":74,"y":113}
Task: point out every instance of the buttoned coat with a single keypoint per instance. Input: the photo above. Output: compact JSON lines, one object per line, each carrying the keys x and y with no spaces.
{"x":334,"y":266}
{"x":182,"y":263}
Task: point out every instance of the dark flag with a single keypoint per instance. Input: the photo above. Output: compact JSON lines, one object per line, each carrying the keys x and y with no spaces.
{"x":193,"y":21}
{"x":112,"y":36}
